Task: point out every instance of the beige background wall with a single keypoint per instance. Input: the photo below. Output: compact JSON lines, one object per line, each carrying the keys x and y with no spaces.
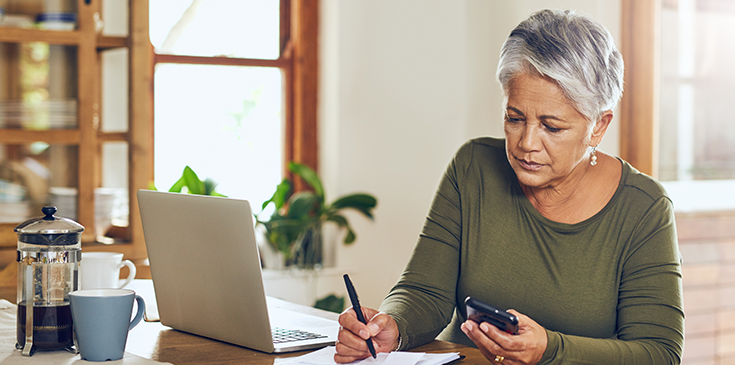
{"x":403,"y":84}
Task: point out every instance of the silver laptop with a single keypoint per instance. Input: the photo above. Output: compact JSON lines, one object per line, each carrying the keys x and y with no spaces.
{"x":207,"y":277}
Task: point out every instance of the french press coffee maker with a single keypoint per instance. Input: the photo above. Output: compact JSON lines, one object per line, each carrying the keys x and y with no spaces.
{"x":49,"y":253}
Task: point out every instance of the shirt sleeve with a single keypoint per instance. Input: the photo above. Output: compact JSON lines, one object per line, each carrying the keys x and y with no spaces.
{"x":423,"y":300}
{"x":650,"y":328}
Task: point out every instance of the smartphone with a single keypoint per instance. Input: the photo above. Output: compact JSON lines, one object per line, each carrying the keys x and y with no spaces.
{"x":483,"y":312}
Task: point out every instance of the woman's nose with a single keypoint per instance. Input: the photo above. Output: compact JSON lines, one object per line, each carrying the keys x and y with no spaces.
{"x":530,"y":140}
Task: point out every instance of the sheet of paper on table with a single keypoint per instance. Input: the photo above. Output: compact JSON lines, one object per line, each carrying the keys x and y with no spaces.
{"x":325,"y":356}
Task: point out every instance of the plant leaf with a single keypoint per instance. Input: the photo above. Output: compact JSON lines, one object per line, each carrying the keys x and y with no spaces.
{"x":195,"y":185}
{"x":282,"y":233}
{"x":280,"y":196}
{"x":343,"y":223}
{"x":350,"y":236}
{"x":339,"y":219}
{"x":363,"y":203}
{"x":331,"y":303}
{"x":209,"y":186}
{"x":178,"y":185}
{"x":309,"y":176}
{"x":304,"y":205}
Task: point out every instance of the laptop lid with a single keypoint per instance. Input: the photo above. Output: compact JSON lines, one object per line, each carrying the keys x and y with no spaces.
{"x":206,"y":272}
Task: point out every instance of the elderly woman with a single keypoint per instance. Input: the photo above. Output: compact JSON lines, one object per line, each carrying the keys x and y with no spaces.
{"x":581,"y":245}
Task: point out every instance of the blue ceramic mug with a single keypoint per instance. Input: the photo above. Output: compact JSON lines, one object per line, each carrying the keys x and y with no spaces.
{"x":101,"y":319}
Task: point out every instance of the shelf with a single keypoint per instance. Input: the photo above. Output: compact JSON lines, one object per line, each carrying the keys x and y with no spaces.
{"x":76,"y":156}
{"x":105,"y":42}
{"x":63,"y":37}
{"x":112,"y":136}
{"x":62,"y":136}
{"x":27,"y":35}
{"x":54,"y":136}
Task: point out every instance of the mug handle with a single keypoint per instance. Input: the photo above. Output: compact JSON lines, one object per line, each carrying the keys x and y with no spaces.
{"x":139,"y":314}
{"x":131,"y":274}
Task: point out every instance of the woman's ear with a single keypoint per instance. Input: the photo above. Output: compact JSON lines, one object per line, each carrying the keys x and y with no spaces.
{"x":600,"y":127}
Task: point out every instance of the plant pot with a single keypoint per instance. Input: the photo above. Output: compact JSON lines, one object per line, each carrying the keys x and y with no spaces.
{"x":308,"y":252}
{"x":270,"y":258}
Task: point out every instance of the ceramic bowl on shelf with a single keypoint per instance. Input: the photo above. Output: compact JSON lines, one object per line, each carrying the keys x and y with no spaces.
{"x":57,"y":21}
{"x":16,"y":21}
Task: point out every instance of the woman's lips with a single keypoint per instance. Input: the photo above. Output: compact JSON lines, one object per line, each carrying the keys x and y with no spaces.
{"x":529,"y":165}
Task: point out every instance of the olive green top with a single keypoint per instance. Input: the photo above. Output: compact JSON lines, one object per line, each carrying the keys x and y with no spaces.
{"x":607,"y":290}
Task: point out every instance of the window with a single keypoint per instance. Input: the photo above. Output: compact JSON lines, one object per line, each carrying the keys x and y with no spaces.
{"x":223,"y":81}
{"x":697,"y":149}
{"x":105,"y":138}
{"x":676,"y":124}
{"x":222,"y":120}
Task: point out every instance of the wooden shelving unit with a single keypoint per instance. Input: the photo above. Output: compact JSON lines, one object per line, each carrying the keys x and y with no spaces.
{"x":87,"y":137}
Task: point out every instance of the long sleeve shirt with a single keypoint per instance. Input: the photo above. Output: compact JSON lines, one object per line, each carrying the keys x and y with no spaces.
{"x":607,"y":289}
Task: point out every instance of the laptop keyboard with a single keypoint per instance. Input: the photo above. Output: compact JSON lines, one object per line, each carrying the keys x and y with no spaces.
{"x":281,"y":335}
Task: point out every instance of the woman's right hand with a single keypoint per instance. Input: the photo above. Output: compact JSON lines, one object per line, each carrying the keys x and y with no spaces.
{"x":351,"y":345}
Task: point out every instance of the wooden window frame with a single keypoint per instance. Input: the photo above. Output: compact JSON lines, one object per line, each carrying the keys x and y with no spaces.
{"x":298,"y":60}
{"x":639,"y":120}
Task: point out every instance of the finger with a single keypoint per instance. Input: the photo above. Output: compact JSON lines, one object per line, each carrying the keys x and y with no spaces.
{"x":483,"y":342}
{"x":502,"y":339}
{"x":343,"y":359}
{"x":347,"y":350}
{"x":487,"y":345}
{"x":378,"y":322}
{"x":523,"y":320}
{"x":348,"y":320}
{"x":351,"y":340}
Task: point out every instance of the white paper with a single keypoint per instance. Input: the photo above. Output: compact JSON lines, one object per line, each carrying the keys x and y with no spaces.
{"x":401,"y":358}
{"x":437,"y":359}
{"x":325,"y":356}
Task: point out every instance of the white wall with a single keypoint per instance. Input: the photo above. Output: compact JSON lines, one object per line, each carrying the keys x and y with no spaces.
{"x":403,"y":83}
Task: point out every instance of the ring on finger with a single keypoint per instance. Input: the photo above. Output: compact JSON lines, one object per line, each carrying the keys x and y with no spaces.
{"x":499,"y":359}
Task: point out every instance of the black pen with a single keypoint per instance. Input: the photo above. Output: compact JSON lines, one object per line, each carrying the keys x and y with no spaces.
{"x":356,"y":306}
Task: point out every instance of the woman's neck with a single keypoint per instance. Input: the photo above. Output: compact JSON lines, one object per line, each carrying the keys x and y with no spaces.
{"x":581,"y":195}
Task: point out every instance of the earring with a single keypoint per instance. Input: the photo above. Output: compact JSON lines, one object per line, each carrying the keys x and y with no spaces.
{"x":593,"y":157}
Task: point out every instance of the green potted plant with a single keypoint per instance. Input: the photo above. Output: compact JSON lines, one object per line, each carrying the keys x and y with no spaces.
{"x":295,"y":227}
{"x":193,"y":184}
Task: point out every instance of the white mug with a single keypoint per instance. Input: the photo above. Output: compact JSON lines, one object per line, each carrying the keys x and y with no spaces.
{"x":101,"y":270}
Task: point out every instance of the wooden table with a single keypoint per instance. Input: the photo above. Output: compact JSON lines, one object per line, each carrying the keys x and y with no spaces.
{"x":157,"y":342}
{"x":152,"y":340}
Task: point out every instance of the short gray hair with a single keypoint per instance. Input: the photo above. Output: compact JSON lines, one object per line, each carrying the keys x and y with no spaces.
{"x":573,"y":50}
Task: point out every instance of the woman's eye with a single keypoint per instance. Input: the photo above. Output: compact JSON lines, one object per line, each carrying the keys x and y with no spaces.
{"x":512,"y":120}
{"x":552,"y":129}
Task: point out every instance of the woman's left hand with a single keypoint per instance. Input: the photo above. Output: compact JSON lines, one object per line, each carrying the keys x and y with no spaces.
{"x":527,"y":347}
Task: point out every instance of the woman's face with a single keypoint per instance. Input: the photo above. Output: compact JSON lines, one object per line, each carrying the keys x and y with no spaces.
{"x":546,"y":139}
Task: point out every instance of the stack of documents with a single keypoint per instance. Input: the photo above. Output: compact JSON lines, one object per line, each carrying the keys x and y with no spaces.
{"x":325,"y":356}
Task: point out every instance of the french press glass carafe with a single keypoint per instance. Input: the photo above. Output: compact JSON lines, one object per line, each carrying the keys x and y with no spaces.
{"x":49,"y":253}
